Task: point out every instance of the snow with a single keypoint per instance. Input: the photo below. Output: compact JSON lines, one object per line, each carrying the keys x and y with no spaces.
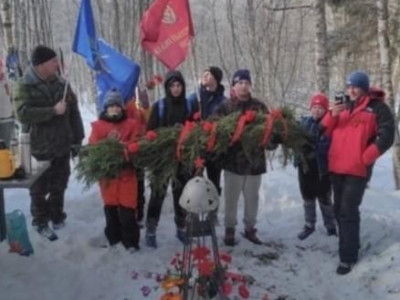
{"x":72,"y":268}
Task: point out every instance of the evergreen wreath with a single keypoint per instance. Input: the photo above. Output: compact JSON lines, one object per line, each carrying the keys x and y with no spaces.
{"x":162,"y":151}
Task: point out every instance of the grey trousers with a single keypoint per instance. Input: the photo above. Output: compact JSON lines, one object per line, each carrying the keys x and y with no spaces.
{"x":234,"y":185}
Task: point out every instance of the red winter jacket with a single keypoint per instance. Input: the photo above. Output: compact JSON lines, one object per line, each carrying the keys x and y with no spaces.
{"x":359,"y":135}
{"x":121,"y":190}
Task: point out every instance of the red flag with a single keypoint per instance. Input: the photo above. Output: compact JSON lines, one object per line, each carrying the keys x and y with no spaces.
{"x":166,"y":29}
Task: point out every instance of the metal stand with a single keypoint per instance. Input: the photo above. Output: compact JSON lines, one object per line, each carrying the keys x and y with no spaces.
{"x":3,"y":230}
{"x":198,"y":227}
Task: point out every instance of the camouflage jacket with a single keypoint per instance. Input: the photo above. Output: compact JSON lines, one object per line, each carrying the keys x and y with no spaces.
{"x":51,"y":135}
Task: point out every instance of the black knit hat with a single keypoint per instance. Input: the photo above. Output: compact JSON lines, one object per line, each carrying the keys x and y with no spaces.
{"x":42,"y":54}
{"x":215,"y":72}
{"x":241,"y":74}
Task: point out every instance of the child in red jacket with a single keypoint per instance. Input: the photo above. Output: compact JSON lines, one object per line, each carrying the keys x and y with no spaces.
{"x":119,"y":194}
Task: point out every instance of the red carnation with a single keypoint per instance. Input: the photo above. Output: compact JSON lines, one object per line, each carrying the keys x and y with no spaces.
{"x":151,"y":135}
{"x":133,"y":148}
{"x":207,"y":126}
{"x":243,"y":291}
{"x":226,"y":257}
{"x":277,"y":114}
{"x":206,"y":268}
{"x":190,"y":125}
{"x":226,"y":289}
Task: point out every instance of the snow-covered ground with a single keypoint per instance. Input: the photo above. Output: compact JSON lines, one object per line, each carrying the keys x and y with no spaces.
{"x":72,"y":269}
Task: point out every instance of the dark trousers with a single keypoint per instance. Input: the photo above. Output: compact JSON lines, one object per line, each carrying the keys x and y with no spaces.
{"x":121,"y":226}
{"x":140,"y":194}
{"x":157,"y":199}
{"x":315,"y":187}
{"x":214,"y":174}
{"x":348,"y":192}
{"x":47,"y":193}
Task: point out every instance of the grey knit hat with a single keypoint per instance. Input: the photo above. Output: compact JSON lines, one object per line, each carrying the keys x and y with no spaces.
{"x":113,"y":97}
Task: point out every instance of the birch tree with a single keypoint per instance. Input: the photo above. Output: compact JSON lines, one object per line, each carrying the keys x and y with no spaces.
{"x":321,"y":58}
{"x":6,"y":17}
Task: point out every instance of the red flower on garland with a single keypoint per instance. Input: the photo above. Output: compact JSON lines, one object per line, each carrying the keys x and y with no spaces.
{"x":199,"y":163}
{"x":276,"y":114}
{"x":250,"y":116}
{"x":197,"y":116}
{"x":151,"y":135}
{"x":190,"y":125}
{"x":207,"y":126}
{"x":133,"y":148}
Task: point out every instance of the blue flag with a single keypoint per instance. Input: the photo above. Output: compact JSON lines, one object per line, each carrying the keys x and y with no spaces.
{"x":85,"y":40}
{"x":117,"y":71}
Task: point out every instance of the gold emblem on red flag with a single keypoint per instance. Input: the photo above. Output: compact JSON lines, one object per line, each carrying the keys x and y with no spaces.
{"x":169,"y":16}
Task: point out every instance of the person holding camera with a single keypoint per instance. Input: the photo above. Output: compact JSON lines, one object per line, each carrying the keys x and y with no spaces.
{"x":361,"y":130}
{"x":314,"y":181}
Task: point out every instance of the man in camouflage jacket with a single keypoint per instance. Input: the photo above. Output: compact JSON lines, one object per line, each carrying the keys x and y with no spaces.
{"x":56,"y":130}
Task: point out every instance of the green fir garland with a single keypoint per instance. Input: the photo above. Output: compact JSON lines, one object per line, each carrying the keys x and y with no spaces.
{"x":156,"y":152}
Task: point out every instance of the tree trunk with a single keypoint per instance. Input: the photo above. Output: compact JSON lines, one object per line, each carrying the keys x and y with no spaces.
{"x":23,"y":35}
{"x":6,"y":12}
{"x":321,"y":58}
{"x":384,"y":48}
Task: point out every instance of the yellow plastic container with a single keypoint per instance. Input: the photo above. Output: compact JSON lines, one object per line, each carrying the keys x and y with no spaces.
{"x":7,"y":164}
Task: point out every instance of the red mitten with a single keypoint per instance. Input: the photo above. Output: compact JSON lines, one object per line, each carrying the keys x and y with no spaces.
{"x":370,"y":154}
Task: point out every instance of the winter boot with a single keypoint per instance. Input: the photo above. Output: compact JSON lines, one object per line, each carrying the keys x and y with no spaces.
{"x":150,"y":237}
{"x":229,"y":238}
{"x":46,"y":232}
{"x":250,"y":234}
{"x":344,"y":268}
{"x":306,"y":232}
{"x":151,"y":240}
{"x":58,"y":226}
{"x":331,"y":231}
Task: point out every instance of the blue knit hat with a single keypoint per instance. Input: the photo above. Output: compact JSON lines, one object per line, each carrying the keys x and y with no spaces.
{"x":241,"y":74}
{"x":358,"y":79}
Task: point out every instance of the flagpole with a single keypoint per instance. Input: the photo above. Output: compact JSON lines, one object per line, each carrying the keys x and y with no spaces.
{"x":64,"y":75}
{"x":194,"y":72}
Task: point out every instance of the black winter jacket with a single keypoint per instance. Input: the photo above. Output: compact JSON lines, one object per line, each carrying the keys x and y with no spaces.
{"x":235,"y":160}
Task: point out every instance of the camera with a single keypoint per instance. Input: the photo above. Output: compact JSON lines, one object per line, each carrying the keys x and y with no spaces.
{"x":341,"y":97}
